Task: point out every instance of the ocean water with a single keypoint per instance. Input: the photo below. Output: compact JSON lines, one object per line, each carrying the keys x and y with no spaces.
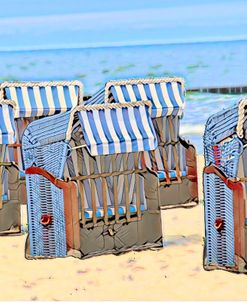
{"x":199,"y":106}
{"x":201,"y":64}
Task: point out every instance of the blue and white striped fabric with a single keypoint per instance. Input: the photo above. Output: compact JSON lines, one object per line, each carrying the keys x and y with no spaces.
{"x":118,"y":130}
{"x":167,"y":97}
{"x":7,"y":126}
{"x":38,"y":100}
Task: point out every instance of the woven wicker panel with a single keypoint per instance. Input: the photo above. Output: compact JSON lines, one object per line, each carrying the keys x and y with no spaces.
{"x":226,"y":155}
{"x":45,"y":198}
{"x":45,"y":131}
{"x":218,"y":127}
{"x":49,"y":157}
{"x":218,"y":203}
{"x":230,"y":155}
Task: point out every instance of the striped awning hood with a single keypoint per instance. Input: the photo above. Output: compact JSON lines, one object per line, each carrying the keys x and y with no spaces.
{"x":117,"y":128}
{"x":35,"y":99}
{"x":7,"y":125}
{"x":167,"y":95}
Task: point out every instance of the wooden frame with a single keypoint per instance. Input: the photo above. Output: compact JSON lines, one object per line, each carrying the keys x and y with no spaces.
{"x":103,"y":176}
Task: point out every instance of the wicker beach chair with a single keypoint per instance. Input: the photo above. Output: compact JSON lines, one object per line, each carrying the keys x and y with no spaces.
{"x":32,"y":100}
{"x":174,"y":160}
{"x":89,"y":191}
{"x":225,"y":189}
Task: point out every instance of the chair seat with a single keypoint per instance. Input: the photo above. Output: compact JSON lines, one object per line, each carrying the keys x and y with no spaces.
{"x":172,"y":173}
{"x":22,"y":174}
{"x":111,"y":211}
{"x":5,"y":197}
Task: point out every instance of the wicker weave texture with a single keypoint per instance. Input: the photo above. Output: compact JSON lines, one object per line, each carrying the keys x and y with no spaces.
{"x":219,"y":127}
{"x":219,"y":201}
{"x":45,"y":198}
{"x":219,"y":204}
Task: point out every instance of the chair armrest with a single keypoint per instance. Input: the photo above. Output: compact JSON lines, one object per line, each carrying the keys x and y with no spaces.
{"x":231,"y":183}
{"x":71,"y":206}
{"x":239,"y":201}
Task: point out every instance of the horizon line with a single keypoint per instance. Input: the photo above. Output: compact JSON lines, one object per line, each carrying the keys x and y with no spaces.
{"x":126,"y":44}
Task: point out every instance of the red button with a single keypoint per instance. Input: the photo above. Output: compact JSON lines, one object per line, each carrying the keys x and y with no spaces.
{"x":46,"y":219}
{"x":219,"y":224}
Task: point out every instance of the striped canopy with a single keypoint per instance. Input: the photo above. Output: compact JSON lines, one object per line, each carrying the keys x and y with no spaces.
{"x":7,"y":126}
{"x":166,"y":94}
{"x":42,"y":98}
{"x":110,"y":129}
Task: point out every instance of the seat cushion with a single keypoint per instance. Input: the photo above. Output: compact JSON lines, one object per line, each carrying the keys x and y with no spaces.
{"x":121,"y":211}
{"x":22,"y":174}
{"x":5,"y":197}
{"x":172,"y":173}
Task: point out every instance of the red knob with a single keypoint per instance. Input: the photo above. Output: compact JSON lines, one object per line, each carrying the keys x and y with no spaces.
{"x":46,"y":219}
{"x":219,"y":224}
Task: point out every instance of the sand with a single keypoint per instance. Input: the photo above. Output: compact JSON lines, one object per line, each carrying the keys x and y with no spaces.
{"x":172,"y":273}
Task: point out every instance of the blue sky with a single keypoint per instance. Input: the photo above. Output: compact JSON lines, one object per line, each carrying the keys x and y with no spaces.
{"x":48,"y":24}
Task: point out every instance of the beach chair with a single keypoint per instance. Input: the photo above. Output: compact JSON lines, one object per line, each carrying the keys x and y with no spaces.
{"x":89,"y":191}
{"x":38,"y":99}
{"x":225,"y":179}
{"x":9,"y":173}
{"x":32,"y":100}
{"x":174,"y":161}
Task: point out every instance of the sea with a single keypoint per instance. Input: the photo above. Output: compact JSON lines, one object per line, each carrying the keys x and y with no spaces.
{"x":204,"y":64}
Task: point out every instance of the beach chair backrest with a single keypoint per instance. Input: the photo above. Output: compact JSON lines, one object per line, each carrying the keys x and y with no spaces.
{"x":105,"y":131}
{"x":36,"y":99}
{"x":167,"y":96}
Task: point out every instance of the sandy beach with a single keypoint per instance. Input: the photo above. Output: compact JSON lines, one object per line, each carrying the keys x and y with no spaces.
{"x":172,"y":273}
